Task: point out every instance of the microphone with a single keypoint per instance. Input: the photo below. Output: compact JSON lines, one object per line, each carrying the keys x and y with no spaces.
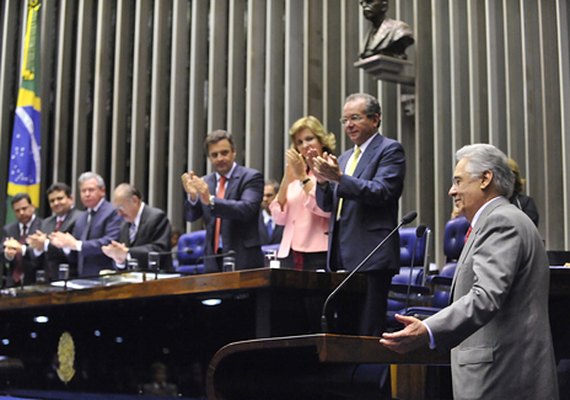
{"x":420,"y":232}
{"x":229,"y":253}
{"x":409,"y":217}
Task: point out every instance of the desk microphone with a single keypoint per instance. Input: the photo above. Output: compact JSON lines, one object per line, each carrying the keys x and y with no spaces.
{"x":229,"y":253}
{"x":409,"y":217}
{"x":420,"y":232}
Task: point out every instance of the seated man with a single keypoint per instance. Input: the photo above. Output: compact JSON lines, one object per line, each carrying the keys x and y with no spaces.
{"x":16,"y":255}
{"x":63,"y":219}
{"x":96,"y":228}
{"x":144,"y":229}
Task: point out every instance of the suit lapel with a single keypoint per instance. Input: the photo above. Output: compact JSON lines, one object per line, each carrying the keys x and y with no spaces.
{"x":367,"y":156}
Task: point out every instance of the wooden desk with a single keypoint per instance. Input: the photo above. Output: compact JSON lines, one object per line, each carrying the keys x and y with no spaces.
{"x":305,"y":367}
{"x":121,"y":329}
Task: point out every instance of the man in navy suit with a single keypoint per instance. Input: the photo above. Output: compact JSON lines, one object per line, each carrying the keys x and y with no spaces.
{"x":267,"y":234}
{"x":96,"y":228}
{"x":17,"y":255}
{"x":361,"y":189}
{"x":144,"y":229}
{"x":63,"y":219}
{"x":228,"y":200}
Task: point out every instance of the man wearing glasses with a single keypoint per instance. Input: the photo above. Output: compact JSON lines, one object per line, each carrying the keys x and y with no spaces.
{"x":361,"y":190}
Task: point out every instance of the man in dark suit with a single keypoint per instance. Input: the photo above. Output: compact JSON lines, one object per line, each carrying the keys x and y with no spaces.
{"x":96,"y":228}
{"x":144,"y":229}
{"x":269,"y":233}
{"x":497,"y":326}
{"x":361,"y":190}
{"x":21,"y":267}
{"x":48,"y":256}
{"x":228,"y":201}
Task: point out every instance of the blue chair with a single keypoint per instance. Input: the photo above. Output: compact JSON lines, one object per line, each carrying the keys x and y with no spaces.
{"x":189,"y":262}
{"x":408,"y":284}
{"x":453,"y":241}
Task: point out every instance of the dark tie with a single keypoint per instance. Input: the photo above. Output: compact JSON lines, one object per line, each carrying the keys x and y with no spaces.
{"x":90,"y":216}
{"x":219,"y":194}
{"x":58,"y":223}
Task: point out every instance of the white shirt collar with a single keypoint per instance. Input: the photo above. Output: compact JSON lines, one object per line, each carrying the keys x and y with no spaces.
{"x":480,"y":210}
{"x":137,"y":220}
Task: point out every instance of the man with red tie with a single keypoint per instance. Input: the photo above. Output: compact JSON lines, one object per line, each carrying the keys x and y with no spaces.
{"x":228,"y":200}
{"x":63,"y":219}
{"x":21,"y":266}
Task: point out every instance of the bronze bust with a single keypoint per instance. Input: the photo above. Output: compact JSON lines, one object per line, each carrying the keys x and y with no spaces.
{"x":386,"y":36}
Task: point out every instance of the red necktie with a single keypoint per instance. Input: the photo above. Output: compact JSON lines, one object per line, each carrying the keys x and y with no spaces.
{"x":58,"y":223}
{"x":467,"y":234}
{"x":18,"y":267}
{"x":219,"y":194}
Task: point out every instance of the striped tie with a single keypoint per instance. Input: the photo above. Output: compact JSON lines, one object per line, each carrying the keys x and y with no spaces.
{"x":349,"y":171}
{"x":219,"y":194}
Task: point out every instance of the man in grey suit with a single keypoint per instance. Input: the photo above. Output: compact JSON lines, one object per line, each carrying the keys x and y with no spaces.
{"x":63,"y":219}
{"x":497,"y":326}
{"x":144,"y":229}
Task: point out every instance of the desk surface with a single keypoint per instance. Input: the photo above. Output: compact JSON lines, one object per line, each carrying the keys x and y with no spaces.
{"x":112,"y":288}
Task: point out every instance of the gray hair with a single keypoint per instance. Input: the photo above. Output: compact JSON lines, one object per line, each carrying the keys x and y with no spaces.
{"x":372,"y":104}
{"x":273,"y":183}
{"x":91,"y":175}
{"x":483,"y":157}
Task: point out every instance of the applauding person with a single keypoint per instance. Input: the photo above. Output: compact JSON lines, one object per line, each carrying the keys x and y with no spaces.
{"x":304,"y":242}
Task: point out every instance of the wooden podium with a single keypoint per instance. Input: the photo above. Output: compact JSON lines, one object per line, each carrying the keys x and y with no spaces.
{"x":306,"y":367}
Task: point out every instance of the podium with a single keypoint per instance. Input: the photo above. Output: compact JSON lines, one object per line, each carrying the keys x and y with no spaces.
{"x":306,"y":367}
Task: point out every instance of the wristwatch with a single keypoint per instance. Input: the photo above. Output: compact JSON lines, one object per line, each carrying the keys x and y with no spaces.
{"x":211,"y":203}
{"x":304,"y":181}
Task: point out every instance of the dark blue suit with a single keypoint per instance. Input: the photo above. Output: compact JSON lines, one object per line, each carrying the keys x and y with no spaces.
{"x":239,"y":210}
{"x":369,"y":213}
{"x":104,"y":227}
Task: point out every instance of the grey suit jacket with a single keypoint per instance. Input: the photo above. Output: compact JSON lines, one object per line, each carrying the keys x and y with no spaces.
{"x":497,"y":325}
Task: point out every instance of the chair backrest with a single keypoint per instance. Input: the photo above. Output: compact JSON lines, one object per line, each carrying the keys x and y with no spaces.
{"x":454,"y":237}
{"x":408,"y":240}
{"x":194,"y":241}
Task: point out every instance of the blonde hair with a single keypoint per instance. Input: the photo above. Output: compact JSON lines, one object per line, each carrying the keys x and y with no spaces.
{"x":519,"y":181}
{"x":311,"y":123}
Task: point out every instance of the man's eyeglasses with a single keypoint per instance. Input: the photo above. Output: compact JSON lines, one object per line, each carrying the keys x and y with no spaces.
{"x":352,"y":118}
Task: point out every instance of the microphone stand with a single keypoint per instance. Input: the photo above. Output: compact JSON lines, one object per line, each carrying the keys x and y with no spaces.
{"x":420,"y":231}
{"x":406,"y":220}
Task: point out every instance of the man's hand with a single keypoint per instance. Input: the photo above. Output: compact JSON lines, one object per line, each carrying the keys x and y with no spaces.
{"x":188,"y":185}
{"x":11,"y":248}
{"x":413,"y":336}
{"x":312,"y":154}
{"x":63,"y":239}
{"x":117,"y":251}
{"x":202,"y":189}
{"x":37,"y":240}
{"x":326,"y":166}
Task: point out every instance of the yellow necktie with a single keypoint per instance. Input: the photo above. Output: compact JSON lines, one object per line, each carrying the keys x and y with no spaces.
{"x":349,"y":172}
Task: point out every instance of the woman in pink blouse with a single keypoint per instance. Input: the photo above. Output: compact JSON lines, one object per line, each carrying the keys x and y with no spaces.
{"x":304,"y":243}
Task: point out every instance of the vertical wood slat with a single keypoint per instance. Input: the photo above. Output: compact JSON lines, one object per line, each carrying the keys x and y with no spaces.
{"x":255,"y":77}
{"x":102,"y":94}
{"x":217,"y":71}
{"x":562,"y":14}
{"x":122,"y":89}
{"x":236,"y":74}
{"x":159,"y":104}
{"x":273,"y":149}
{"x":62,"y":156}
{"x":140,"y":97}
{"x":197,"y":79}
{"x":81,"y":107}
{"x":178,"y":112}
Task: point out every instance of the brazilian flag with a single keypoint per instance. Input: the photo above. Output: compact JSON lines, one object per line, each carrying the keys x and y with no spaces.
{"x":24,"y":171}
